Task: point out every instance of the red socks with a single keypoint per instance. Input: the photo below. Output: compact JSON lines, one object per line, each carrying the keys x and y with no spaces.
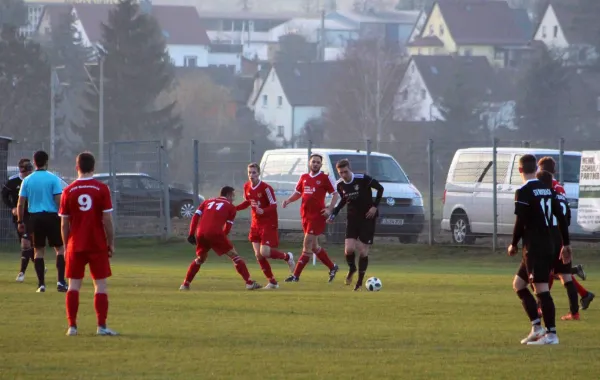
{"x":101,"y":306}
{"x":191,"y":272}
{"x":242,"y":269}
{"x":580,"y":289}
{"x":266,"y":268}
{"x":72,"y":303}
{"x":302,"y":261}
{"x":322,"y":255}
{"x":278,"y":255}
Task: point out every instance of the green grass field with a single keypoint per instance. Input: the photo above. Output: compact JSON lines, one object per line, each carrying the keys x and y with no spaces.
{"x":443,"y":313}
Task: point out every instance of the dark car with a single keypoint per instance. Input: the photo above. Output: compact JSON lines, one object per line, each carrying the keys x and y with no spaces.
{"x":138,"y":194}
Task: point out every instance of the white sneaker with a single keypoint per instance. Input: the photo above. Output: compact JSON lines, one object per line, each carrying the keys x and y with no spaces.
{"x":184,"y":287}
{"x":41,"y":289}
{"x":255,"y":285}
{"x":536,"y":333}
{"x":291,"y":263}
{"x":20,"y":277}
{"x":271,"y":286}
{"x":105,"y":331}
{"x":549,"y":338}
{"x":72,"y":331}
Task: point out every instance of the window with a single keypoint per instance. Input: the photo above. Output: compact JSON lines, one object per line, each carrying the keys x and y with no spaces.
{"x":431,"y":30}
{"x":555,"y":31}
{"x":190,"y":61}
{"x":382,"y":168}
{"x":280,"y":131}
{"x":571,"y":168}
{"x":502,"y":162}
{"x":150,"y":183}
{"x":127,"y":183}
{"x":279,"y":101}
{"x":265,"y":100}
{"x":441,"y":30}
{"x":423,"y":94}
{"x":543,"y":31}
{"x":471,"y":167}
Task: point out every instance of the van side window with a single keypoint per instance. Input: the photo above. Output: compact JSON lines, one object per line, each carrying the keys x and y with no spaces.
{"x":274,"y":168}
{"x":515,"y":177}
{"x":502,"y":162}
{"x":471,"y":167}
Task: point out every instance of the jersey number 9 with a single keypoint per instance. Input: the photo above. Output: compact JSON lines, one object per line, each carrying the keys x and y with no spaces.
{"x":85,"y":202}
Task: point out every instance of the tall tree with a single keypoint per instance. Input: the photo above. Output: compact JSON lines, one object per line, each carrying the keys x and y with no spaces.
{"x":13,"y":14}
{"x":295,"y":48}
{"x":587,"y":17}
{"x":137,"y":68}
{"x":540,"y":109}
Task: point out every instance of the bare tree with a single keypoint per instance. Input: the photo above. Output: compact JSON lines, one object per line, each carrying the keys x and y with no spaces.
{"x":364,"y":92}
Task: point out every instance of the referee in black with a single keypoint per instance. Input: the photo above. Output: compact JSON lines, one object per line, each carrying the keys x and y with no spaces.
{"x":10,"y":197}
{"x":42,"y":191}
{"x":355,"y":190}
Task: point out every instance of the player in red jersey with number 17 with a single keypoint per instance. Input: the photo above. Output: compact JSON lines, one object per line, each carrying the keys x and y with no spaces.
{"x":263,"y":228}
{"x":87,"y":230}
{"x":312,"y":188}
{"x":210,"y":226}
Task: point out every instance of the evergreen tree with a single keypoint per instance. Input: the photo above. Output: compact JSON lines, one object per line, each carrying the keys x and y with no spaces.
{"x":137,"y":68}
{"x":295,"y":48}
{"x":13,"y":14}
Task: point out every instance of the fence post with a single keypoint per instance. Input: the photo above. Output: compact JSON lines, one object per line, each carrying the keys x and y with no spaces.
{"x":368,"y":157}
{"x":561,"y":156}
{"x":251,"y":151}
{"x":430,"y":199}
{"x":113,"y":183}
{"x":196,"y":184}
{"x":495,"y":193}
{"x":163,"y":170}
{"x":310,"y":143}
{"x":525,"y":144}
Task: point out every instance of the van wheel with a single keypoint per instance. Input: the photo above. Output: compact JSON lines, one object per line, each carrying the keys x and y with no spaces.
{"x":461,"y":230}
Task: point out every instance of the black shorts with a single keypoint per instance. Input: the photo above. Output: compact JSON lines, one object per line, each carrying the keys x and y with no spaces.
{"x":45,"y":226}
{"x":558,"y":267}
{"x":537,"y":262}
{"x":362,"y":229}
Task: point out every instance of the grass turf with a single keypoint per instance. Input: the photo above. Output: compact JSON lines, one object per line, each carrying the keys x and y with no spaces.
{"x":443,"y":313}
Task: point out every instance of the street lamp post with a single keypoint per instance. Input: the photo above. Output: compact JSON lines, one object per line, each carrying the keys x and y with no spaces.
{"x":100,"y":91}
{"x":53,"y":85}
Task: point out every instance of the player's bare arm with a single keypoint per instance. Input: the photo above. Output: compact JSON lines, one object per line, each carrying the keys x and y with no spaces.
{"x":21,"y":213}
{"x":109,"y":230}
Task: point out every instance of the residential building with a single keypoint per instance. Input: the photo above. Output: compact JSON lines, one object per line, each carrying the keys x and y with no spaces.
{"x":394,"y":27}
{"x":187,"y":42}
{"x":474,"y":28}
{"x":568,"y":33}
{"x":293,"y":94}
{"x":429,"y":79}
{"x":226,"y":55}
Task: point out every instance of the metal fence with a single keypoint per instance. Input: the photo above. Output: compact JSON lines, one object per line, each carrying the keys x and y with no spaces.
{"x":478,"y":211}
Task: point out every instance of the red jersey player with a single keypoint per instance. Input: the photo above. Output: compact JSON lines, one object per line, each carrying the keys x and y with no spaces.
{"x":87,"y":230}
{"x":209,"y":228}
{"x":263,"y":229}
{"x":562,"y":271}
{"x":312,"y":188}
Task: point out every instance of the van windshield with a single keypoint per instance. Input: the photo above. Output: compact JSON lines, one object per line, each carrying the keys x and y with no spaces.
{"x":383,"y":169}
{"x":571,"y":168}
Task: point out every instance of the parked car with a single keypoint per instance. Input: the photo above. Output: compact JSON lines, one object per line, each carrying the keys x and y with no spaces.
{"x":468,"y":196}
{"x":401,"y":212}
{"x":138,"y":194}
{"x":14,"y":170}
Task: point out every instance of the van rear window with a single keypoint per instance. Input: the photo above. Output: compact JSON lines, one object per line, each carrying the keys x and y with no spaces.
{"x":571,"y":168}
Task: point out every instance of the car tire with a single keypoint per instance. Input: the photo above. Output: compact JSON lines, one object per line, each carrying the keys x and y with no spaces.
{"x":408,"y":239}
{"x":186,"y":210}
{"x":461,"y":230}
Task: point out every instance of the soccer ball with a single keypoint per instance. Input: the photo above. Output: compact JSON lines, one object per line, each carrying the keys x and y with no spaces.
{"x":374,"y":284}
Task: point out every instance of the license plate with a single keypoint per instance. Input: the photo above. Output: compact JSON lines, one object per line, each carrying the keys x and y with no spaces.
{"x":393,"y":222}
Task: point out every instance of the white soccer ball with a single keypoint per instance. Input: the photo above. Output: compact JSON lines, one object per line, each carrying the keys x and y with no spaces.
{"x":374,"y":284}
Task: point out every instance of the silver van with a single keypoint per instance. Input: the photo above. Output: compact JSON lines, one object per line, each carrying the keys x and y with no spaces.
{"x":468,"y":196}
{"x":401,"y":211}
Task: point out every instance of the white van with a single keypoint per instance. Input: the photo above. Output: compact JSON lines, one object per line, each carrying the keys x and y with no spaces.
{"x":468,"y":197}
{"x":401,"y":211}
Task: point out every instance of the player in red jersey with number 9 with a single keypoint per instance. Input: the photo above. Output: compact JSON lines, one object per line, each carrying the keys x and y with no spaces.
{"x":87,"y":230}
{"x":209,"y":228}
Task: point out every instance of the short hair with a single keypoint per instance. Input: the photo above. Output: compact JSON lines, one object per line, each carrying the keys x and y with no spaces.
{"x":545,"y":177}
{"x":40,"y":158}
{"x":255,"y":166}
{"x":25,"y":165}
{"x":315,"y":155}
{"x":227,"y":191}
{"x":528,"y":164}
{"x":86,"y":162}
{"x":548,"y":164}
{"x":343,"y":163}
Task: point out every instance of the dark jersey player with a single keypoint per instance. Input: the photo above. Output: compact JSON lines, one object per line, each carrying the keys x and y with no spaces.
{"x":535,"y":206}
{"x":565,"y":271}
{"x":356,"y":192}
